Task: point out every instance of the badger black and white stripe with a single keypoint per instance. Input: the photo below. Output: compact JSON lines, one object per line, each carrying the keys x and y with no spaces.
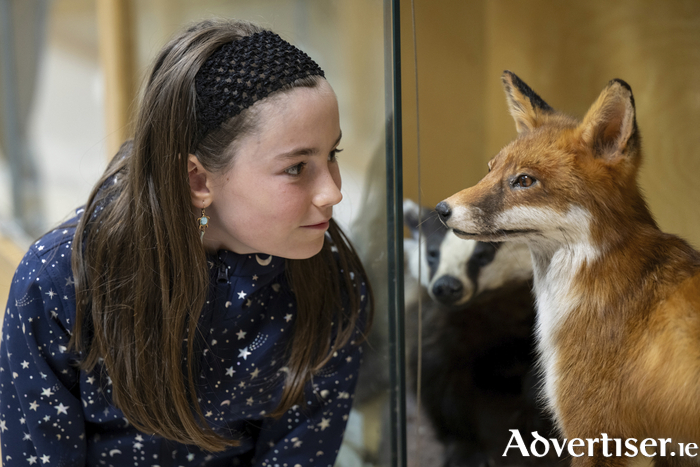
{"x":458,"y":270}
{"x":479,"y":377}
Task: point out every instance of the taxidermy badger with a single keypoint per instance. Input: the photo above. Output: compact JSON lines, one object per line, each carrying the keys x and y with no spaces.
{"x":478,"y":352}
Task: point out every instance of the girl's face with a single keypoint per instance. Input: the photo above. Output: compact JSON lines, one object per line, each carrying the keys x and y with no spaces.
{"x":278,"y":195}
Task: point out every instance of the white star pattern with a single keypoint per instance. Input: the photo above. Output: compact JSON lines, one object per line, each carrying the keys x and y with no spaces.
{"x":244,"y":353}
{"x":240,"y":388}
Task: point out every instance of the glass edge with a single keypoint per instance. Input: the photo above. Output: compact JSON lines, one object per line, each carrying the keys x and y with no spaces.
{"x":394,"y":179}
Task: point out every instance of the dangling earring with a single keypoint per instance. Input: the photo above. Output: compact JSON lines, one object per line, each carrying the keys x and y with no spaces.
{"x":203,"y":223}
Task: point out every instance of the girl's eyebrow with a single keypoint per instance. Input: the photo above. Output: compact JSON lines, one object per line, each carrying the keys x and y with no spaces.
{"x":306,"y":151}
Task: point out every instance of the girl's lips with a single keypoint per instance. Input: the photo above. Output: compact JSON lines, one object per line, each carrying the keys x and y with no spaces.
{"x":321,"y":225}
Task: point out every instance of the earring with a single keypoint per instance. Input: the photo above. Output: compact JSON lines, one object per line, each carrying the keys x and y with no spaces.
{"x":203,"y":223}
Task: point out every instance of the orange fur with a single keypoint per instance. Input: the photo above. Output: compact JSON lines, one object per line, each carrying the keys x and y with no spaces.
{"x":618,"y":300}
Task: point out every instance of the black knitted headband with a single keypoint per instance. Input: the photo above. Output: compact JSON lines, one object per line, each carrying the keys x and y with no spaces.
{"x":244,"y":71}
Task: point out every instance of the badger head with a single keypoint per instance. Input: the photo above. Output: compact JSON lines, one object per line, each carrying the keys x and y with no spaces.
{"x":454,"y":270}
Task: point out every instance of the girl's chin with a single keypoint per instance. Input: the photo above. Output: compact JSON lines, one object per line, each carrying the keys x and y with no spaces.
{"x":305,"y":252}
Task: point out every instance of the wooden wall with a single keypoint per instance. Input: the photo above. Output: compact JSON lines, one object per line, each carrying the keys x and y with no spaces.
{"x":566,"y":51}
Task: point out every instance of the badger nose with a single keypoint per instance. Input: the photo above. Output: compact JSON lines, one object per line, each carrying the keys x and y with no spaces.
{"x":443,"y":209}
{"x":448,"y":289}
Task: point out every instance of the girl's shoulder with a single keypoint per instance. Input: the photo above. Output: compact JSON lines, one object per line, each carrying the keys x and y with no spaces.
{"x":51,"y":251}
{"x":44,"y":275}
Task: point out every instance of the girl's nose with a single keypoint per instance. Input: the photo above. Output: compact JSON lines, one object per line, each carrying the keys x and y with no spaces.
{"x":328,"y":193}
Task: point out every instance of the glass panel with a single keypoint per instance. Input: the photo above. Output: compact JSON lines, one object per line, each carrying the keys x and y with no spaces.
{"x":394,"y":216}
{"x":566,"y":52}
{"x":353,"y":41}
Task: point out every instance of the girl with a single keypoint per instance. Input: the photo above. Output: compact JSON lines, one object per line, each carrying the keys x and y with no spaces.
{"x":203,"y":308}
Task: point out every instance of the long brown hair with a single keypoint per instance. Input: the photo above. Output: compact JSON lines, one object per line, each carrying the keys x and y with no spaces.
{"x":141,"y":277}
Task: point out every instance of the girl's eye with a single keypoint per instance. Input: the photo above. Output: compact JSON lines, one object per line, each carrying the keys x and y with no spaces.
{"x":333,"y":156}
{"x":523,"y":181}
{"x":295,"y":170}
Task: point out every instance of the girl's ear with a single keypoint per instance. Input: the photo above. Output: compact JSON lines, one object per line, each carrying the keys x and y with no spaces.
{"x":199,"y":179}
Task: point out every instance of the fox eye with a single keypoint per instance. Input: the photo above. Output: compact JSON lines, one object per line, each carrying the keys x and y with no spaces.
{"x":523,"y":181}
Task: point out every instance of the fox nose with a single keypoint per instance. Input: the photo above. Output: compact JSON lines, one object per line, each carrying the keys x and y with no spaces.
{"x":443,"y":209}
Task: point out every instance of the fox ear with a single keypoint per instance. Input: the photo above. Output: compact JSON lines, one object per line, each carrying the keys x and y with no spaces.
{"x":610,"y":127}
{"x":527,"y":108}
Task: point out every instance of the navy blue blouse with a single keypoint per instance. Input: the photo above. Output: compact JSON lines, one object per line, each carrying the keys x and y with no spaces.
{"x":52,"y":414}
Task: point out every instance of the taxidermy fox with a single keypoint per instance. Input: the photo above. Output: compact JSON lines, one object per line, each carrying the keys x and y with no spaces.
{"x":618,"y":301}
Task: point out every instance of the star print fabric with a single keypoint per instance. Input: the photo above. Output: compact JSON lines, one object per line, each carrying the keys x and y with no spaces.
{"x":55,"y":415}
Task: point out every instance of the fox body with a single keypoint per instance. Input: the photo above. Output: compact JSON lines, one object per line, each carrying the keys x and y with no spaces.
{"x":618,"y":300}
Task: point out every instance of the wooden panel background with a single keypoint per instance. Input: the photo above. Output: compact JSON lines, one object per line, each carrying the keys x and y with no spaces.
{"x":566,"y":51}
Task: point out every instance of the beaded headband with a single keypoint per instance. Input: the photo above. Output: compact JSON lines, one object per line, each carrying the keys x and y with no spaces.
{"x":244,"y":71}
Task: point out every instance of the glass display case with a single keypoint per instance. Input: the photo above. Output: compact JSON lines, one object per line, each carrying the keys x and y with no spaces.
{"x":385,"y":60}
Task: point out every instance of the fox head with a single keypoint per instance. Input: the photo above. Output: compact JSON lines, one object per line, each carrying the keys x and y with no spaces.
{"x":561,"y":178}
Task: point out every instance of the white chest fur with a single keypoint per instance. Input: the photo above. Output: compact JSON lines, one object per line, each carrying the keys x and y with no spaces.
{"x":557,"y":265}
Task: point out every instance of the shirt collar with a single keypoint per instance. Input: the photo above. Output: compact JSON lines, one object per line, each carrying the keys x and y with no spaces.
{"x":246,"y":265}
